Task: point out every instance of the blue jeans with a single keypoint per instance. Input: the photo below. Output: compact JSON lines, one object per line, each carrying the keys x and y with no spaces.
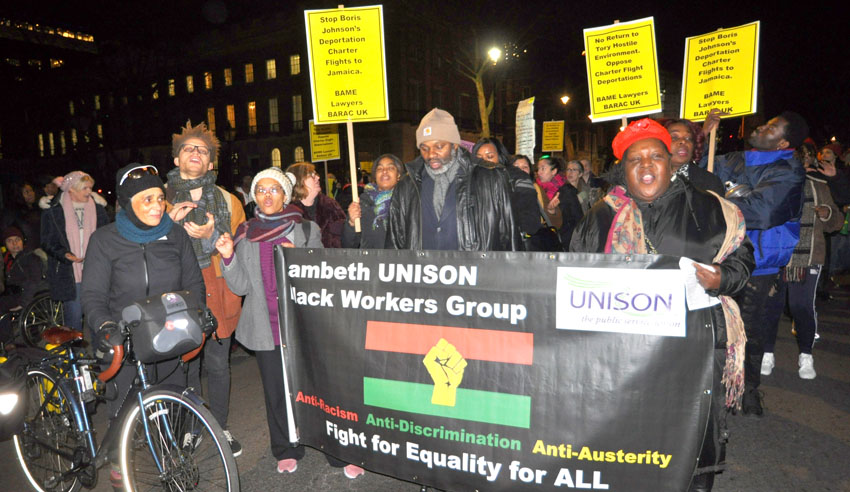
{"x":74,"y":312}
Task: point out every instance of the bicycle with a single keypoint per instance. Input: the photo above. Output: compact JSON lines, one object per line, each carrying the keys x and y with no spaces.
{"x":166,"y":438}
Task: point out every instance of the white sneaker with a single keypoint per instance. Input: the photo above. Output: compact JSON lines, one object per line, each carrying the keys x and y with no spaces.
{"x":767,"y":364}
{"x":807,"y":366}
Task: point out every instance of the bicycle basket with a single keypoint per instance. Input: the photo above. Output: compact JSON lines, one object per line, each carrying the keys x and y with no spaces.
{"x":164,"y":326}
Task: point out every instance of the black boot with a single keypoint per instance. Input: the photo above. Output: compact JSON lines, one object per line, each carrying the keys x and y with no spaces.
{"x":751,"y":403}
{"x":702,"y":483}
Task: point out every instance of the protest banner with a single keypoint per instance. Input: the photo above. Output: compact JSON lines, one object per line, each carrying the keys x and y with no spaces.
{"x":622,"y":70}
{"x":345,"y":50}
{"x":552,"y":139}
{"x":525,"y":132}
{"x":431,"y":367}
{"x":721,"y":71}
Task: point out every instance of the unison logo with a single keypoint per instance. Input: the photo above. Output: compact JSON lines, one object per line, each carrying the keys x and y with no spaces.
{"x":650,"y":302}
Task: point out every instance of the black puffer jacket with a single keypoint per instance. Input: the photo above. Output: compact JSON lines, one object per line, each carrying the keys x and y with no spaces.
{"x":683,"y":221}
{"x":484,"y":216}
{"x":119,"y":272}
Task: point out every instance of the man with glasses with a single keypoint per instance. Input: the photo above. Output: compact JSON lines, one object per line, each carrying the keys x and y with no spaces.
{"x":206,"y":211}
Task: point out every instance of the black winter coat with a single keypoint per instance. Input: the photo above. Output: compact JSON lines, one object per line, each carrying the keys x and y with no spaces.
{"x":54,"y":242}
{"x":367,"y":238}
{"x":484,"y":216}
{"x":683,"y":221}
{"x":119,"y":272}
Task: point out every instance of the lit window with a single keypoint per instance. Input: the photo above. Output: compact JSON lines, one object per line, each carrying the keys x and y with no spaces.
{"x":35,"y":63}
{"x":96,"y":102}
{"x":54,"y":63}
{"x":155,"y":94}
{"x":171,"y":89}
{"x":211,"y":119}
{"x":190,"y":84}
{"x":14,"y":62}
{"x":62,"y":145}
{"x":297,"y":116}
{"x":294,"y":64}
{"x":271,"y":69}
{"x":71,"y":108}
{"x":276,"y":157}
{"x":40,"y":145}
{"x":100,"y":134}
{"x":73,"y":137}
{"x":249,"y":73}
{"x":228,"y":77}
{"x":252,"y":117}
{"x":299,"y":154}
{"x":274,"y":122}
{"x":207,"y":80}
{"x":50,"y":143}
{"x":231,"y":116}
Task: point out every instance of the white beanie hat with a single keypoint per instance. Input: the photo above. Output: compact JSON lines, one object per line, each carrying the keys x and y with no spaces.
{"x":285,"y":179}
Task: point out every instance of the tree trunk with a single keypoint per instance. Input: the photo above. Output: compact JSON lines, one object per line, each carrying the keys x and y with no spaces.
{"x":483,"y":110}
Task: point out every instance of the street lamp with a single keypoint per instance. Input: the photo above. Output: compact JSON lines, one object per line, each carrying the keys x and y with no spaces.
{"x":494,"y":53}
{"x":565,"y":99}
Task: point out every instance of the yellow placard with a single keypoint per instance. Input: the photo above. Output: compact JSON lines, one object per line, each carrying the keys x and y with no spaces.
{"x":622,"y":70}
{"x":324,"y":142}
{"x":345,"y":49}
{"x":721,"y":71}
{"x":553,"y":136}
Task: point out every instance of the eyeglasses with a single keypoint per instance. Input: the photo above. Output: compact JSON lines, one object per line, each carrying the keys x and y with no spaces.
{"x":312,"y":174}
{"x":191,"y":148}
{"x":138,"y":172}
{"x":274,"y":190}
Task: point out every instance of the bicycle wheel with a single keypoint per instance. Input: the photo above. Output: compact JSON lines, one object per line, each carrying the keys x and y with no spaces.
{"x":47,"y":445}
{"x":186,"y":440}
{"x":42,"y":313}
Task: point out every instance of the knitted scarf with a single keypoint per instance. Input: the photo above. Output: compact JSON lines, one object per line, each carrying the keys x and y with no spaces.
{"x":212,"y":201}
{"x":270,"y":228}
{"x":801,"y":258}
{"x":381,"y":199}
{"x":443,"y":178}
{"x":736,"y":338}
{"x":626,"y":235}
{"x":552,"y":186}
{"x":132,"y":232}
{"x":72,"y":230}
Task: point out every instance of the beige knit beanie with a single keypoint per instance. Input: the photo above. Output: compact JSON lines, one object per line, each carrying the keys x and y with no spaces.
{"x":437,"y":125}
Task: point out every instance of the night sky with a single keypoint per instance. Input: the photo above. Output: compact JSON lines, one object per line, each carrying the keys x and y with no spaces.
{"x":803,"y":62}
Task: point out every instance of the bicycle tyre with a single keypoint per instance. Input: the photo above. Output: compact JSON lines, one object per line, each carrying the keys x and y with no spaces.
{"x":40,"y":314}
{"x":53,"y":425}
{"x":204,"y":463}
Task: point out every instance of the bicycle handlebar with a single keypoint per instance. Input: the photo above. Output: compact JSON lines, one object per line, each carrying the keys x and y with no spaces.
{"x":115,"y":365}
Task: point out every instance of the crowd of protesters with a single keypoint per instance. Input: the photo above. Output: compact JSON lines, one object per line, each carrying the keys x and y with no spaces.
{"x":767,"y":226}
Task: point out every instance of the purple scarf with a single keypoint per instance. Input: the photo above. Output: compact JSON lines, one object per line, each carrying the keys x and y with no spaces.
{"x":270,"y":228}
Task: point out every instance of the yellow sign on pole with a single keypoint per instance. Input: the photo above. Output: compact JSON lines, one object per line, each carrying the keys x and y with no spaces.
{"x":553,"y":136}
{"x":324,"y":142}
{"x":622,"y":70}
{"x":721,"y":71}
{"x":345,"y":49}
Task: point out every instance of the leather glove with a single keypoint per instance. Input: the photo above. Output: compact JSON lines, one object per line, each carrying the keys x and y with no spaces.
{"x":108,"y":336}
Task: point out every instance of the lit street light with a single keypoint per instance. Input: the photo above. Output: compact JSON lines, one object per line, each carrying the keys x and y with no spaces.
{"x":494,"y":53}
{"x":565,"y":99}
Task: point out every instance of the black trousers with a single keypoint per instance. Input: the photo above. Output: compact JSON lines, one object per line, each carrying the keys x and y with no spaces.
{"x":754,"y":304}
{"x":271,"y":374}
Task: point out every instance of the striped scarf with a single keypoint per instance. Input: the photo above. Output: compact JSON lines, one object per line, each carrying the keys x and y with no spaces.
{"x":270,"y":228}
{"x":801,"y":258}
{"x":212,"y":201}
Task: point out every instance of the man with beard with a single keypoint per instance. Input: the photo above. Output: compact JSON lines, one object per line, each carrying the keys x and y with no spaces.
{"x":766,"y":183}
{"x":206,"y":211}
{"x":449,"y":200}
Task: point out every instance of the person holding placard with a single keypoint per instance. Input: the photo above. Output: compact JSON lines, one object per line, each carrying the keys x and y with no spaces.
{"x":649,"y":210}
{"x":374,"y":206}
{"x":766,"y":183}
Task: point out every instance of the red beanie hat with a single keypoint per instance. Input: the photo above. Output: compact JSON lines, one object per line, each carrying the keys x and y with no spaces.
{"x":640,"y":130}
{"x":835,"y":148}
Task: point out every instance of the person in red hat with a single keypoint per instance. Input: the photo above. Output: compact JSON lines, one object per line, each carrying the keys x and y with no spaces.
{"x":649,"y":210}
